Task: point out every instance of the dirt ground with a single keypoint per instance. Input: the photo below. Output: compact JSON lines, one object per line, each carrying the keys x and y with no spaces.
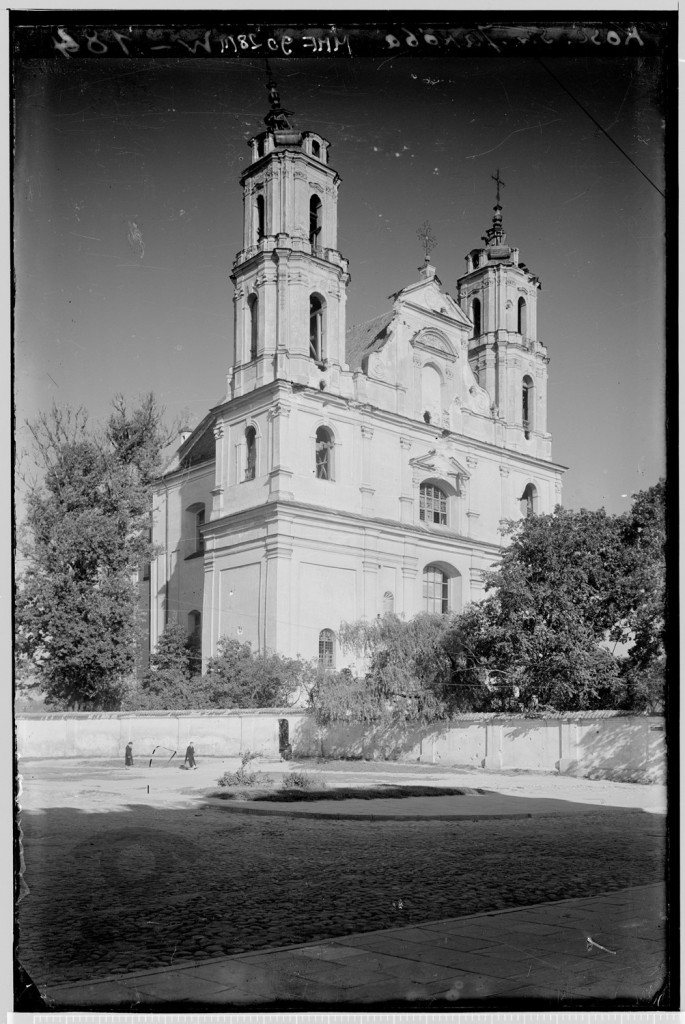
{"x":102,"y":784}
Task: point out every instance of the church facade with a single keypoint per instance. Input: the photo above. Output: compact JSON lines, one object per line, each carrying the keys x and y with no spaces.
{"x":349,"y":472}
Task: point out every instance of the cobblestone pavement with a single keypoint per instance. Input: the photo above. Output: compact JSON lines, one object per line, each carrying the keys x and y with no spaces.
{"x":141,"y":886}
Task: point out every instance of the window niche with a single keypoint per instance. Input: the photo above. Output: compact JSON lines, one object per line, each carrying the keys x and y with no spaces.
{"x":260,"y":204}
{"x":326,"y":649}
{"x":316,"y":328}
{"x":196,"y":520}
{"x":527,"y":405}
{"x":324,"y":448}
{"x":253,"y":309}
{"x":528,"y":502}
{"x":522,"y":317}
{"x":476,"y":317}
{"x":315,"y":223}
{"x":250,"y":453}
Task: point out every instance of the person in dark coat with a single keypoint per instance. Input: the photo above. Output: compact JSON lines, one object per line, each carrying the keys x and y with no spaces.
{"x":128,"y":756}
{"x":190,"y":756}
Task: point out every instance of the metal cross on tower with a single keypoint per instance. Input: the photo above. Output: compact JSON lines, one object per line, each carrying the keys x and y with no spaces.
{"x":427,"y":240}
{"x":500,"y":183}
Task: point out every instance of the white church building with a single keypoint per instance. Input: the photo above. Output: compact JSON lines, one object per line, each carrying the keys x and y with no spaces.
{"x":348,"y":472}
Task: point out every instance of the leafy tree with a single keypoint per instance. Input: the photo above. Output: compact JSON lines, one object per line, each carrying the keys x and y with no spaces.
{"x":558,"y":592}
{"x":237,"y":677}
{"x":568,"y":586}
{"x":85,"y":536}
{"x":170,"y":682}
{"x":407,"y":677}
{"x":645,"y":539}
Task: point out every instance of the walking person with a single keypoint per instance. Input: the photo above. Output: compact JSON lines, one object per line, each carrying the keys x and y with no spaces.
{"x":190,"y":756}
{"x":128,"y":756}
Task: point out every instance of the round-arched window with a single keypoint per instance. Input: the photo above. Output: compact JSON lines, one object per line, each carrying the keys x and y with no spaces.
{"x":435,"y":590}
{"x":324,"y":453}
{"x":327,"y":648}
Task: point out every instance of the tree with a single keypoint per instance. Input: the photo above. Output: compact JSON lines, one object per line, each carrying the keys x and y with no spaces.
{"x":85,"y":537}
{"x":171,"y":682}
{"x":237,"y":677}
{"x":407,"y":676}
{"x":644,"y":537}
{"x":557,"y":594}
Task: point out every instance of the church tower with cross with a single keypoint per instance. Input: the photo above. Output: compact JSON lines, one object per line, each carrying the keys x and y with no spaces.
{"x":349,"y":472}
{"x":499,"y":293}
{"x":290,"y":279}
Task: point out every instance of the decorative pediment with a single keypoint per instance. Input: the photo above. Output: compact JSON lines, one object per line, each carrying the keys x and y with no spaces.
{"x":430,"y":339}
{"x":443,"y":466}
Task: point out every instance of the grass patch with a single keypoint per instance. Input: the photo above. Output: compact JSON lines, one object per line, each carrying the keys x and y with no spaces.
{"x":346,"y":793}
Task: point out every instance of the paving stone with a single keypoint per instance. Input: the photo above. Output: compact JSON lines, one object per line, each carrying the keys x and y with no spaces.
{"x":234,"y":882}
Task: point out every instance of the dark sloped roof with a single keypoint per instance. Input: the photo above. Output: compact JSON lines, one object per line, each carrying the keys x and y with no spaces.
{"x":361,"y":339}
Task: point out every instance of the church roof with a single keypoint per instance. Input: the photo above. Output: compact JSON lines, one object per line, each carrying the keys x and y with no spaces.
{"x":362,"y":339}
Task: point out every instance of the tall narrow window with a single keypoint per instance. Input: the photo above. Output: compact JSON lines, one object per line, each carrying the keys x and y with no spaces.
{"x":199,"y":523}
{"x":261,"y":217}
{"x":432,"y":505}
{"x":475,"y":316}
{"x":435,"y":590}
{"x":315,"y":222}
{"x":316,"y":328}
{"x":316,"y":149}
{"x":327,"y":648}
{"x":250,"y":453}
{"x":324,"y":454}
{"x":527,"y":392}
{"x":253,"y":306}
{"x":529,"y":500}
{"x":522,"y":326}
{"x":195,"y":642}
{"x":388,"y":602}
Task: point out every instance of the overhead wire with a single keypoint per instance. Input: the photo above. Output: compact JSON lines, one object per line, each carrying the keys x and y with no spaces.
{"x":598,"y":125}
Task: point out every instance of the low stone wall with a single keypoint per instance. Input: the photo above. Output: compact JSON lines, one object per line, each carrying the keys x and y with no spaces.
{"x":608,"y":743}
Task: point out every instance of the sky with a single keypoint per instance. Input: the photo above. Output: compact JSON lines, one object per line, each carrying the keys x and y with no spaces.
{"x":128,"y":215}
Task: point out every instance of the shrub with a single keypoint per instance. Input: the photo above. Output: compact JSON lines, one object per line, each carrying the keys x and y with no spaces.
{"x":244,"y":777}
{"x":302,"y":780}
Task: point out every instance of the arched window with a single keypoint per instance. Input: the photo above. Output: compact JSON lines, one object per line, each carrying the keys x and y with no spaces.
{"x":435,"y":590}
{"x":432,"y":505}
{"x":476,"y":261}
{"x":261,"y":216}
{"x":196,"y":520}
{"x":388,"y":602}
{"x":253,"y":306}
{"x":327,"y":648}
{"x":529,"y":500}
{"x":475,"y":316}
{"x":316,"y":149}
{"x":250,"y":453}
{"x":522,"y":326}
{"x":324,"y":454}
{"x":315,"y":222}
{"x":431,"y":393}
{"x":527,"y":393}
{"x":316,"y":308}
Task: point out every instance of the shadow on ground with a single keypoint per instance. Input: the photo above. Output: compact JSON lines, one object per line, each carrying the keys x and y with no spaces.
{"x":145,"y":887}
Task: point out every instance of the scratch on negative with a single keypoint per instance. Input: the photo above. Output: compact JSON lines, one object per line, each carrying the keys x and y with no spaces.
{"x":540,"y":124}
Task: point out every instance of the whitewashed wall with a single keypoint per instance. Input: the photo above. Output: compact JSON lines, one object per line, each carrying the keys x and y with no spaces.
{"x":605,"y":741}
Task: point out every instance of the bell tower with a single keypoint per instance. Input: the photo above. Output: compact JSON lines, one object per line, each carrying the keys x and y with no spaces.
{"x":290,"y":280}
{"x":499,"y":294}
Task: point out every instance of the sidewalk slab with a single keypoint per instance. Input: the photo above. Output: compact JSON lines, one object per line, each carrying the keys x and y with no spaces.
{"x":411,"y":965}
